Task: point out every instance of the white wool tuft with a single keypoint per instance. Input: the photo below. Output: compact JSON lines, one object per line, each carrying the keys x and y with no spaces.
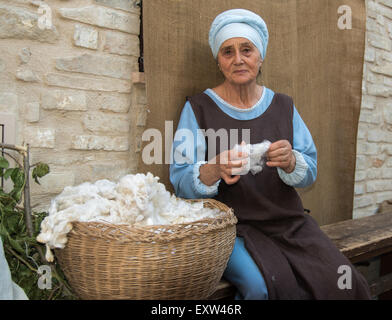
{"x":256,"y":157}
{"x":135,"y":200}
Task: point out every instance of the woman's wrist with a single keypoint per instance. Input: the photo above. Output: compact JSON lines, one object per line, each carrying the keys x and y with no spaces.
{"x":291,"y":167}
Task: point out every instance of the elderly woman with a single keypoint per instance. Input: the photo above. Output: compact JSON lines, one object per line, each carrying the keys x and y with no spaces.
{"x":280,"y":252}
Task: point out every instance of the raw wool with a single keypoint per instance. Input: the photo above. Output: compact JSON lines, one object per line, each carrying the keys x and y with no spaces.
{"x":135,"y":200}
{"x":256,"y":158}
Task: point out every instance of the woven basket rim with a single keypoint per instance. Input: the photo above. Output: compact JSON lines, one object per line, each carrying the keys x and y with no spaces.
{"x":157,"y":233}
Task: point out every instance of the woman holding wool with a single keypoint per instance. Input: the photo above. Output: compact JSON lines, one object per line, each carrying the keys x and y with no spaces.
{"x":280,"y":252}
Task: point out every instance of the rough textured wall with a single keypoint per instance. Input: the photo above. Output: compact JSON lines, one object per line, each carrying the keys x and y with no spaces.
{"x":374,"y":150}
{"x":71,"y":89}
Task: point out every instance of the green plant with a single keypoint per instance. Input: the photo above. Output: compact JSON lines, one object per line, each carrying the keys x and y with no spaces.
{"x":19,"y":228}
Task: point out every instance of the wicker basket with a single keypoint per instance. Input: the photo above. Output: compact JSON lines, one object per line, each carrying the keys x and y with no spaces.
{"x":184,"y":261}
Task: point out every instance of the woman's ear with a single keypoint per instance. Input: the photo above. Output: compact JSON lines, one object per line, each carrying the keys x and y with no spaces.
{"x":260,"y":64}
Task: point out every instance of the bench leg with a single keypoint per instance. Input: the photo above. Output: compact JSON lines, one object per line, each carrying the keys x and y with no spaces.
{"x":386,"y":268}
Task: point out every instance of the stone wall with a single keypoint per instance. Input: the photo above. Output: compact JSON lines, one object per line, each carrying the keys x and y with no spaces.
{"x":374,"y":146}
{"x":70,"y":87}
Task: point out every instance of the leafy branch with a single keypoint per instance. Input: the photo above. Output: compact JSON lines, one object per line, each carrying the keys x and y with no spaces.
{"x":19,"y":227}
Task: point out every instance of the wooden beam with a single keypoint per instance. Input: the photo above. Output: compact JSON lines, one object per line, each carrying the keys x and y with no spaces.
{"x":364,"y":238}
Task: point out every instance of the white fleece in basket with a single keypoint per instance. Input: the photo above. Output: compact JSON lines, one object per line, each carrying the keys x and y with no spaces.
{"x":135,"y":200}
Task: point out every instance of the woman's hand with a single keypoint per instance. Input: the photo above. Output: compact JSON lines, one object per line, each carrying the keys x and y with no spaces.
{"x":224,"y":166}
{"x":280,"y":154}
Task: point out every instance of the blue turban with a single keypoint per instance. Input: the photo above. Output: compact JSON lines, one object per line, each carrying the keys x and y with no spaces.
{"x":239,"y":23}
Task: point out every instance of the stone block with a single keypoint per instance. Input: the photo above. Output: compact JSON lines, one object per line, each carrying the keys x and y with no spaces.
{"x":385,"y":11}
{"x":19,"y":23}
{"x":108,"y":66}
{"x":104,"y":17}
{"x":383,"y":196}
{"x":362,"y":162}
{"x":385,"y":69}
{"x":359,"y":189}
{"x":32,"y":112}
{"x":115,"y":103}
{"x":360,"y":175}
{"x":378,"y":162}
{"x":141,"y":116}
{"x":55,"y":182}
{"x":84,"y":83}
{"x":373,"y":173}
{"x":387,"y":81}
{"x":138,"y":78}
{"x":374,"y":78}
{"x":373,"y":26}
{"x":363,"y":201}
{"x":2,"y":65}
{"x":365,"y":148}
{"x":371,"y":117}
{"x":121,"y":43}
{"x":387,"y":111}
{"x":107,"y":123}
{"x":8,"y":102}
{"x":127,"y":5}
{"x":25,"y":55}
{"x":387,"y":3}
{"x":378,"y":185}
{"x":386,"y":173}
{"x":368,"y":102}
{"x":378,"y":90}
{"x":91,"y":142}
{"x":86,"y":37}
{"x":112,"y":171}
{"x":387,"y":148}
{"x":387,"y":56}
{"x":370,"y":54}
{"x":40,"y":137}
{"x":365,"y":212}
{"x":64,"y":100}
{"x":379,"y":41}
{"x":379,"y":135}
{"x":26,"y":74}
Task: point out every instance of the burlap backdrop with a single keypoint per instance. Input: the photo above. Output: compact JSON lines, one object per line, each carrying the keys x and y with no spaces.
{"x":308,"y":57}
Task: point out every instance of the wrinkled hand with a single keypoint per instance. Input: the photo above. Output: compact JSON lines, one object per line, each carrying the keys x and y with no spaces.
{"x":224,"y":166}
{"x":280,"y":154}
{"x":230,"y":163}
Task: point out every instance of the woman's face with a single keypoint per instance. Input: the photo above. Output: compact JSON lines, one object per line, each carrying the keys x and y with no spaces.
{"x":239,"y":61}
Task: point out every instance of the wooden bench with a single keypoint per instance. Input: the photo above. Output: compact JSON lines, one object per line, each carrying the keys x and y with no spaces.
{"x":359,"y":240}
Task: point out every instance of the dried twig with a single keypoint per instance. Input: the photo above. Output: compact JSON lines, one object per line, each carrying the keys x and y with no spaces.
{"x":28,"y":265}
{"x":26,"y":168}
{"x":20,"y":149}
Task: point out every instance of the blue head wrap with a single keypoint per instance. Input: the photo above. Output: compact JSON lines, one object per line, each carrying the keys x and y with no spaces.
{"x":239,"y":23}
